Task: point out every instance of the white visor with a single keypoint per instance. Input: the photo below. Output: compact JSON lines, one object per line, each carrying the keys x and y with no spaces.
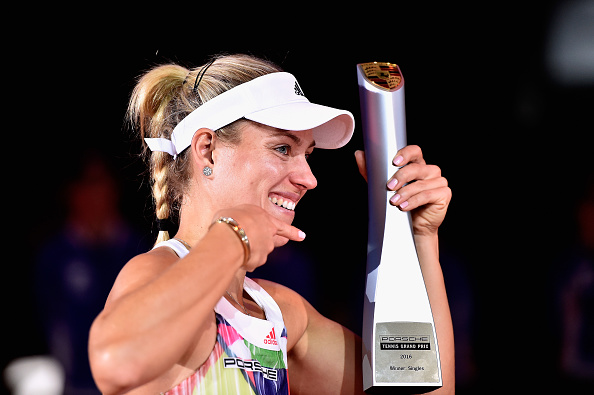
{"x":274,"y":100}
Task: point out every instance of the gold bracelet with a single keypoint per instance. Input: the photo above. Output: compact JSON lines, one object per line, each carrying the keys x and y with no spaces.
{"x":240,"y":233}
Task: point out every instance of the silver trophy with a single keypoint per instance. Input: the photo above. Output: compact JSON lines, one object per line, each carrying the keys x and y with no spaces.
{"x":399,"y":341}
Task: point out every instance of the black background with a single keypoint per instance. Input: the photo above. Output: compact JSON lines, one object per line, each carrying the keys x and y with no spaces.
{"x":512,"y":143}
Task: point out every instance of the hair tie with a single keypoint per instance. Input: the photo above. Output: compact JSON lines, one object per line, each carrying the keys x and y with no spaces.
{"x":163,"y":225}
{"x":201,"y":74}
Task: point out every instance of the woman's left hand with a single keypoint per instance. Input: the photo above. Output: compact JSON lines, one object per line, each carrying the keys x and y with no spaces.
{"x":418,"y":188}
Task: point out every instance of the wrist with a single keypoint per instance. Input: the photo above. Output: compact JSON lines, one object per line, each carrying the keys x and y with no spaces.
{"x":239,"y":232}
{"x":223,"y":240}
{"x":427,"y":247}
{"x":426,"y":238}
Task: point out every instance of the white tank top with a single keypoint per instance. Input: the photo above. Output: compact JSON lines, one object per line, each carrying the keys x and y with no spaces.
{"x":250,"y":354}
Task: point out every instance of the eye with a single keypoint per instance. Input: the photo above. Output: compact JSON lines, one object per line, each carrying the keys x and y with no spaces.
{"x":284,"y":149}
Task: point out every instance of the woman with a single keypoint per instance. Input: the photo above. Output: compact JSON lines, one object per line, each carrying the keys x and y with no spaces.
{"x":229,"y":146}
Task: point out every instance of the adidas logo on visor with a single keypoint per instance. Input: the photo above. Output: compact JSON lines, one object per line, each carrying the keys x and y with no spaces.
{"x":298,"y":90}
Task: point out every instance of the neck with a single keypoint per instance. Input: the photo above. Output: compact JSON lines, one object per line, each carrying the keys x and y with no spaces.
{"x":235,"y":288}
{"x":195,"y":220}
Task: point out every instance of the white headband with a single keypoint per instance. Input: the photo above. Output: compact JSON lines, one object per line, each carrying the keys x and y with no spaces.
{"x":274,"y":100}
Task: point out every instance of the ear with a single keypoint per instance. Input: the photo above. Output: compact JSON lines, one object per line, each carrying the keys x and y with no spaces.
{"x":203,"y":144}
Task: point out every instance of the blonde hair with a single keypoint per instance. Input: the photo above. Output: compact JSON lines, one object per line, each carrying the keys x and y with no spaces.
{"x":163,"y":97}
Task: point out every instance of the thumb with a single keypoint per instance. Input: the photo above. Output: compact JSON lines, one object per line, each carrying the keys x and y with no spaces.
{"x":361,"y":163}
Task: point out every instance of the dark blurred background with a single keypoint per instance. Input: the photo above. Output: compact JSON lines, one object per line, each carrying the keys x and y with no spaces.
{"x":500,"y":95}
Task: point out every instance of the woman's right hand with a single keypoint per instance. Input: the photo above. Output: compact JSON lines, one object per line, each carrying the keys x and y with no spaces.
{"x":264,"y":232}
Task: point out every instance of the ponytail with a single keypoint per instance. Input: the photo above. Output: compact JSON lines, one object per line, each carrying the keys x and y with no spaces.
{"x":148,"y":113}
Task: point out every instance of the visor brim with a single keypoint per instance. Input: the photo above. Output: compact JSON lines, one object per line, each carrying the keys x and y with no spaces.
{"x":332,"y":128}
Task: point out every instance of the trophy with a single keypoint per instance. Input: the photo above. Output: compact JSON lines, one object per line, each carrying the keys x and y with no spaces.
{"x":399,"y":340}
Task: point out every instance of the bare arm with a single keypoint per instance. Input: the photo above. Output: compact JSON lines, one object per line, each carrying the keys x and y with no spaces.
{"x":327,"y":359}
{"x":428,"y":252}
{"x":158,"y":308}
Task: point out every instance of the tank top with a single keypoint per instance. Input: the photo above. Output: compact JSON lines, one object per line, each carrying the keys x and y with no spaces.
{"x":250,"y":354}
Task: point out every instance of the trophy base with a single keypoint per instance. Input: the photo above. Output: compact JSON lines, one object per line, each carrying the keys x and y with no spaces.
{"x":401,"y":390}
{"x":405,"y":356}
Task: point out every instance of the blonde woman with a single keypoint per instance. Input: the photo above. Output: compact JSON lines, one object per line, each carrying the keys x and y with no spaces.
{"x":228,"y":145}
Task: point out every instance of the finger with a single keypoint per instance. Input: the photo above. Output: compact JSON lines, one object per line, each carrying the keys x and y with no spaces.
{"x":290,"y":232}
{"x":438,"y":196}
{"x":409,"y":154}
{"x":412,"y":172}
{"x":407,"y":192}
{"x":361,"y":163}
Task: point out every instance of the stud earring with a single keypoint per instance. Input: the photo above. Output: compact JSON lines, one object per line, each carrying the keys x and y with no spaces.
{"x":207,"y":171}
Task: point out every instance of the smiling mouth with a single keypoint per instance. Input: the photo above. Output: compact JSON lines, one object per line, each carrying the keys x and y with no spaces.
{"x":284,"y":203}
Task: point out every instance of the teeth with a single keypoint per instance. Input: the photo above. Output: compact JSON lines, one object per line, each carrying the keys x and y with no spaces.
{"x":289,"y":205}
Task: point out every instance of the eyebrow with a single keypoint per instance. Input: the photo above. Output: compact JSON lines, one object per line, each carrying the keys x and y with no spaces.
{"x":292,"y":136}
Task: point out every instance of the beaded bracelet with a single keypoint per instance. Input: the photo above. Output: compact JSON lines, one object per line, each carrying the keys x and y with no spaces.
{"x":240,"y":233}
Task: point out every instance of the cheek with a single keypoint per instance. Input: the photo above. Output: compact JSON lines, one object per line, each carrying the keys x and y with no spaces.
{"x":259,"y":171}
{"x":247,"y":179}
{"x":249,"y":172}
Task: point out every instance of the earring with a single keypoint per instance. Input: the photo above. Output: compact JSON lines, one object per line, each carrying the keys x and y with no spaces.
{"x":207,"y":171}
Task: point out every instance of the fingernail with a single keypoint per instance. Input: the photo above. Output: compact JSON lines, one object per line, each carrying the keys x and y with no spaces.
{"x":392,"y":184}
{"x":404,"y":205}
{"x":301,"y":235}
{"x":394,"y":199}
{"x":398,"y":160}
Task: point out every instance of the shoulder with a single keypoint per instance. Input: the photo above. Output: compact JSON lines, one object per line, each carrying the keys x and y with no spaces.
{"x":140,"y":270}
{"x":295,"y":309}
{"x":282,"y":295}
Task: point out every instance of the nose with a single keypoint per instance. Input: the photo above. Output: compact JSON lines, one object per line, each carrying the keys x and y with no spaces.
{"x":303,"y":176}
